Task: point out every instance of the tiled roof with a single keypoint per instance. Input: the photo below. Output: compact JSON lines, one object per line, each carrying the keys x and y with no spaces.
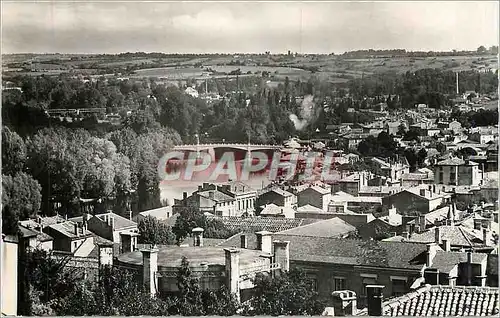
{"x":334,"y":227}
{"x":456,"y":162}
{"x":255,"y":224}
{"x":238,"y":187}
{"x":346,"y":251}
{"x":273,"y":209}
{"x":310,"y":209}
{"x":68,"y":230}
{"x":279,"y":191}
{"x":318,"y":189}
{"x":120,"y":221}
{"x":454,"y":234}
{"x":160,"y":213}
{"x":445,"y":301}
{"x":414,"y":176}
{"x":217,"y":196}
{"x":445,"y":261}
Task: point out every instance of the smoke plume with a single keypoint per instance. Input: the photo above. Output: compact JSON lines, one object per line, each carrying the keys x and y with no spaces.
{"x":306,"y":112}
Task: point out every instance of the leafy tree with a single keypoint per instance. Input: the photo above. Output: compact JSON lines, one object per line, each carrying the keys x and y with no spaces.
{"x":152,"y":231}
{"x":13,"y":152}
{"x":288,"y":294}
{"x":21,"y":198}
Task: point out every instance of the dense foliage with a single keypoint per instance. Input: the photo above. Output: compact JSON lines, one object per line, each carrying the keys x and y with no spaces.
{"x":288,"y":294}
{"x":191,"y":217}
{"x":153,"y":231}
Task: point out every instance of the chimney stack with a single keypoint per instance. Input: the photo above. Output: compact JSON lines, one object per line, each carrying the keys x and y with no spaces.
{"x":469,"y":268}
{"x":264,"y":241}
{"x":437,"y":236}
{"x":344,"y":303}
{"x":244,"y":241}
{"x":487,"y":237}
{"x":184,"y":195}
{"x":111,"y":222}
{"x":75,"y":226}
{"x":477,"y":224}
{"x":150,"y":268}
{"x":197,"y":236}
{"x":446,"y":245}
{"x":375,"y":299}
{"x":431,"y":253}
{"x":232,"y":264}
{"x":422,"y":192}
{"x":282,"y":254}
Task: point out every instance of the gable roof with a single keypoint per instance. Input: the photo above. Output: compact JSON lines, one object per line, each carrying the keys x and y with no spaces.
{"x":68,"y":229}
{"x":159,"y":213}
{"x":456,"y":162}
{"x":317,"y":189}
{"x":440,"y":300}
{"x":454,"y":234}
{"x":218,"y":196}
{"x":402,"y":255}
{"x":255,"y":224}
{"x":120,"y":221}
{"x":446,"y":261}
{"x":273,"y":209}
{"x":334,"y":227}
{"x":279,"y":191}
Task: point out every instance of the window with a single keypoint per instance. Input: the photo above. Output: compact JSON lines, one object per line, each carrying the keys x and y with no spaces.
{"x":398,"y":287}
{"x":313,"y":281}
{"x":441,"y":177}
{"x":339,"y":283}
{"x":368,"y":280}
{"x":75,"y":245}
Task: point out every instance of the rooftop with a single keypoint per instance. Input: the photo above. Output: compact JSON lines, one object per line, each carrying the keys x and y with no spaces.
{"x":445,"y":301}
{"x":446,"y":261}
{"x":68,"y":229}
{"x":273,"y":209}
{"x":255,"y":224}
{"x":334,"y":227}
{"x":159,"y":213}
{"x":346,"y":251}
{"x":456,"y":162}
{"x":171,"y":256}
{"x":218,"y":196}
{"x":456,"y":235}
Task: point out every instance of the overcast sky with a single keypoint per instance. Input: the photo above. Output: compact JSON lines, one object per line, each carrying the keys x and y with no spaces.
{"x":246,"y":27}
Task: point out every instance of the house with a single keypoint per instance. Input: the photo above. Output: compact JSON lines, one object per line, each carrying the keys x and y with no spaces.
{"x":273,"y":210}
{"x":379,"y":191}
{"x":311,"y":212}
{"x":459,"y":237}
{"x":352,"y":140}
{"x":36,"y":239}
{"x":333,"y":264}
{"x":162,"y":213}
{"x":457,"y":171}
{"x":113,"y":227}
{"x":192,"y":92}
{"x":392,"y":170}
{"x":278,"y":197}
{"x":314,"y":195}
{"x":352,"y":183}
{"x":423,"y":199}
{"x":209,"y":199}
{"x":392,"y":127}
{"x":342,"y":201}
{"x":255,"y":224}
{"x":243,"y":195}
{"x":455,"y":126}
{"x":71,"y":237}
{"x":9,"y":275}
{"x":414,"y":179}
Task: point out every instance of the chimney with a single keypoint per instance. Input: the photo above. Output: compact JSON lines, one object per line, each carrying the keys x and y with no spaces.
{"x":211,"y":194}
{"x":422,"y":223}
{"x":149,"y":269}
{"x":264,"y":241}
{"x":197,"y":236}
{"x":200,"y":188}
{"x":477,"y":224}
{"x":111,"y":222}
{"x":431,"y":253}
{"x":75,"y":227}
{"x":184,"y":195}
{"x":406,"y":235}
{"x":469,"y":268}
{"x":375,"y":299}
{"x":244,"y":241}
{"x":130,"y":215}
{"x":437,"y":235}
{"x":282,"y":254}
{"x":232,"y":265}
{"x":446,"y":245}
{"x":344,"y":303}
{"x":105,"y":255}
{"x":422,"y":192}
{"x":487,"y":237}
{"x":434,"y":188}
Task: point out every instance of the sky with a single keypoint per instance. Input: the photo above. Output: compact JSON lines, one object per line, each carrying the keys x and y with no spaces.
{"x":246,"y":27}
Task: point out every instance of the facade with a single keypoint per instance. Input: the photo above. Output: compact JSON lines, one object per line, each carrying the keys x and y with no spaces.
{"x":316,"y":196}
{"x":456,"y":171}
{"x":71,"y":237}
{"x":243,"y":194}
{"x":278,"y":197}
{"x":420,"y":199}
